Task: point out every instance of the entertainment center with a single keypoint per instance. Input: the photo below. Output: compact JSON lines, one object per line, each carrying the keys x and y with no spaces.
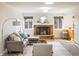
{"x":44,"y":31}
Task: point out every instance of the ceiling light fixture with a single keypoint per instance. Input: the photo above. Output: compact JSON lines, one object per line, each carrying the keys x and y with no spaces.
{"x":45,"y":8}
{"x":45,"y":11}
{"x":49,"y":3}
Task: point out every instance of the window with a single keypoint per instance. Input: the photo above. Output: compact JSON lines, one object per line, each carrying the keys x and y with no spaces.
{"x":58,"y":22}
{"x":28,"y":22}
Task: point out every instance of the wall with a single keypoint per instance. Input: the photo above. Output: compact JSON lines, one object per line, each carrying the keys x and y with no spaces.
{"x":76,"y":30}
{"x":5,"y":13}
{"x":76,"y":26}
{"x":67,"y":22}
{"x":36,"y":17}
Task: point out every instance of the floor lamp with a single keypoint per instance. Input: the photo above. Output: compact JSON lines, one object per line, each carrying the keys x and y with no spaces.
{"x":16,"y":22}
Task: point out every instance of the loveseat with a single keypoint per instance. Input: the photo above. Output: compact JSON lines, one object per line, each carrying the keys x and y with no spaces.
{"x":15,"y":42}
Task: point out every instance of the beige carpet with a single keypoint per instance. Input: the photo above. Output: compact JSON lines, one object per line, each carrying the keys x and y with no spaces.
{"x":58,"y":49}
{"x":71,"y":47}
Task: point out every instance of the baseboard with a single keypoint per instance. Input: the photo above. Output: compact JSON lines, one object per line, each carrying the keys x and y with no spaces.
{"x":3,"y":52}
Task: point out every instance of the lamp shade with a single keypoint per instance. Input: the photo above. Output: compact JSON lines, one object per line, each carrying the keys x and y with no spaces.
{"x":16,"y":22}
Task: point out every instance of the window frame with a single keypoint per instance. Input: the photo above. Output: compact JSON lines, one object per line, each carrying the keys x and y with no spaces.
{"x":28,"y":19}
{"x":58,"y":22}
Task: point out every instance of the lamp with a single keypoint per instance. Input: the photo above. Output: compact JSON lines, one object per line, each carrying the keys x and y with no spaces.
{"x":16,"y":22}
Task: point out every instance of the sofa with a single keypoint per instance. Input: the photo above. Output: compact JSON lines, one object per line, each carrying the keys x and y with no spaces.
{"x":15,"y":42}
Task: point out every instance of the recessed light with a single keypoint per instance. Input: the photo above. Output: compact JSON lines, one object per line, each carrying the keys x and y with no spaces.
{"x":48,"y":3}
{"x":45,"y":11}
{"x":45,"y":8}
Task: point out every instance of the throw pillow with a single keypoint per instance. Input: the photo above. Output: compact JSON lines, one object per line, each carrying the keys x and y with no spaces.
{"x":9,"y":38}
{"x":17,"y":34}
{"x":23,"y":35}
{"x":17,"y":38}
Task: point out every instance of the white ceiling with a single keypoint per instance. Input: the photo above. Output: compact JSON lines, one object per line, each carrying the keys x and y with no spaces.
{"x":34,"y":7}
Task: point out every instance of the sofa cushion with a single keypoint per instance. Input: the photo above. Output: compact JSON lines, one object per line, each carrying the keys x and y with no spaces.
{"x":9,"y":38}
{"x":15,"y":37}
{"x":17,"y":34}
{"x":23,"y":35}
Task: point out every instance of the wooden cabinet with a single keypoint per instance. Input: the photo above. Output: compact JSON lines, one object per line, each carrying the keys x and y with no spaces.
{"x":65,"y":34}
{"x":71,"y":34}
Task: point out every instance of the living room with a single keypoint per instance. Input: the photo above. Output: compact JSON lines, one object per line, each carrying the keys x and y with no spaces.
{"x":54,"y":24}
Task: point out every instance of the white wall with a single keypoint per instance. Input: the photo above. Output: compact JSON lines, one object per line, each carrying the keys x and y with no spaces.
{"x":5,"y":13}
{"x":76,"y":33}
{"x":67,"y":22}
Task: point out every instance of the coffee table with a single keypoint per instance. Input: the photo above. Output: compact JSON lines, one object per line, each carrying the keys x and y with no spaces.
{"x":32,"y":40}
{"x":41,"y":41}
